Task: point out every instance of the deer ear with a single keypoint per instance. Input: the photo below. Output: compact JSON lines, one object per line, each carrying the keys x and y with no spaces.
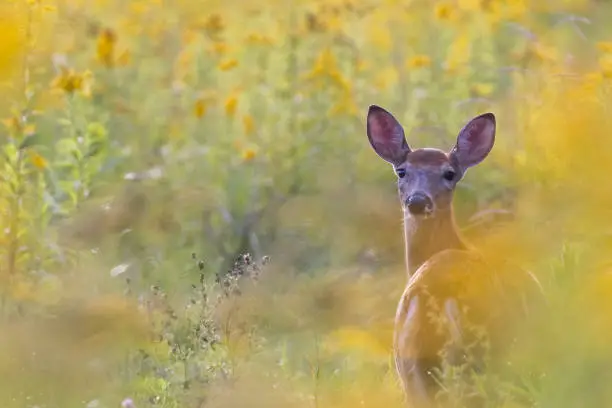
{"x":386,"y":135}
{"x":475,"y":141}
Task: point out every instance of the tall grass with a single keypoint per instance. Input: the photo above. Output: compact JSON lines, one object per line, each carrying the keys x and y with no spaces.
{"x":192,"y":216}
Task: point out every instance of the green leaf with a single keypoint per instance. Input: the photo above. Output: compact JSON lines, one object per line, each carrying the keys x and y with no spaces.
{"x":96,"y":131}
{"x":9,"y":151}
{"x":77,"y":155}
{"x":29,"y":141}
{"x":94,"y":149}
{"x":64,"y":122}
{"x":66,"y":146}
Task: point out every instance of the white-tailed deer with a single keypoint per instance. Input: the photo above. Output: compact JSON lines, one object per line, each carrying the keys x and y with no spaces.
{"x":450,"y":285}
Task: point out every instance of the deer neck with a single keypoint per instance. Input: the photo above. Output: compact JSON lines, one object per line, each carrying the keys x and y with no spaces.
{"x":425,"y":237}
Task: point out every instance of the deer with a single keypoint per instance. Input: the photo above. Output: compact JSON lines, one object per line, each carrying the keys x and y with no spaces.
{"x":447,"y":276}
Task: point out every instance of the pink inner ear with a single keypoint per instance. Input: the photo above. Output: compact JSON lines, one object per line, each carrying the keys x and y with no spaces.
{"x":477,"y":130}
{"x":476,"y":140}
{"x":386,"y":135}
{"x":384,"y":129}
{"x":381,"y":128}
{"x":471,"y":138}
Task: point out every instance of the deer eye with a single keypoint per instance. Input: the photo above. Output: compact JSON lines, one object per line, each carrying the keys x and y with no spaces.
{"x":449,"y":175}
{"x":401,"y":173}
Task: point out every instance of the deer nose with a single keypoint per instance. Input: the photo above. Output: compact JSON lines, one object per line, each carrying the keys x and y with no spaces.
{"x":419,"y":203}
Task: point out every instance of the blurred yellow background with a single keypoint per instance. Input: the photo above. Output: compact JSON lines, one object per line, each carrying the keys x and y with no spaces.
{"x":148,"y":145}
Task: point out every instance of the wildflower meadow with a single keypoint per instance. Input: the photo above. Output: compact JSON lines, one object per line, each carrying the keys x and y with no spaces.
{"x":192,"y":216}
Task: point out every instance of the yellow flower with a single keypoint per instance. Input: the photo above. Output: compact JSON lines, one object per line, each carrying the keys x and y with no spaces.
{"x":29,"y":129}
{"x":444,"y":11}
{"x":494,"y":13}
{"x":326,"y":62}
{"x":183,"y":62}
{"x":228,"y":64}
{"x":385,"y":78}
{"x":482,"y":89}
{"x":592,"y":80}
{"x":418,"y":61}
{"x":124,"y":58}
{"x":106,"y":47}
{"x":199,"y":108}
{"x":469,"y":5}
{"x":260,"y":39}
{"x":13,"y":124}
{"x":515,"y":9}
{"x":248,"y":123}
{"x":176,"y":130}
{"x":11,"y":42}
{"x":340,"y":79}
{"x":214,"y":25}
{"x":380,"y":36}
{"x":138,"y":8}
{"x":231,"y":104}
{"x":520,"y":158}
{"x":361,"y":65}
{"x":356,"y":339}
{"x":335,"y":23}
{"x":605,"y":46}
{"x":70,"y":81}
{"x":38,"y":161}
{"x":458,"y":53}
{"x":314,"y":23}
{"x":248,"y":154}
{"x":326,"y":67}
{"x":189,"y":36}
{"x":253,"y":38}
{"x":345,"y":105}
{"x":605,"y":66}
{"x":219,"y":48}
{"x":543,"y":52}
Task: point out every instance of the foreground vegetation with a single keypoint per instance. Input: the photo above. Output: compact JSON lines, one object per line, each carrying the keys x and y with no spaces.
{"x":192,"y":216}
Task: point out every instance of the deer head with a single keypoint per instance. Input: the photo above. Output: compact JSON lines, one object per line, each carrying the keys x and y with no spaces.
{"x":427,"y":177}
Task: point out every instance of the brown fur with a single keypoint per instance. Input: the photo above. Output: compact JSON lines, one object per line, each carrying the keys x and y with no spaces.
{"x":427,"y":157}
